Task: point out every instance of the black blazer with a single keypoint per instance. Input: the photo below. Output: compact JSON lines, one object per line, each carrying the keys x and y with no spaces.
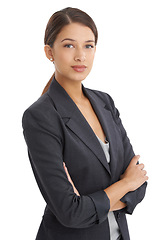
{"x":55,"y":131}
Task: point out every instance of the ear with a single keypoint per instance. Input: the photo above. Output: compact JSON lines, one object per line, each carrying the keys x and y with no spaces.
{"x":48,"y":52}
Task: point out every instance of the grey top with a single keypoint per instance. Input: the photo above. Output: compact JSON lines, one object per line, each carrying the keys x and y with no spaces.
{"x":114,"y":229}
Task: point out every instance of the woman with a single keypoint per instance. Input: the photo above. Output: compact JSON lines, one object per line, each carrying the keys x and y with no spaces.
{"x":80,"y":154}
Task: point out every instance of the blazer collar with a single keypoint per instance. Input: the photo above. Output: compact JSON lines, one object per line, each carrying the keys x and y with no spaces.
{"x":79,"y":125}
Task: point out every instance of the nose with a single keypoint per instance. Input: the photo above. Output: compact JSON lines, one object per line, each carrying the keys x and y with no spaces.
{"x":80,"y":56}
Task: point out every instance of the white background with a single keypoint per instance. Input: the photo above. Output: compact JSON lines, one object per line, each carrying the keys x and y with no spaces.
{"x":127,"y":66}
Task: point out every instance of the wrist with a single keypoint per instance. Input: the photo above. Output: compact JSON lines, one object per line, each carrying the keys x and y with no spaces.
{"x":116,"y":191}
{"x":126,"y":184}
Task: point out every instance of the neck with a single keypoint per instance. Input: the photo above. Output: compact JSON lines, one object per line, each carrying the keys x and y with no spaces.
{"x":73,"y":88}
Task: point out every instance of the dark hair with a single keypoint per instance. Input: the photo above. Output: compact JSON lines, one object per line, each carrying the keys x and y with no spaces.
{"x":62,"y":18}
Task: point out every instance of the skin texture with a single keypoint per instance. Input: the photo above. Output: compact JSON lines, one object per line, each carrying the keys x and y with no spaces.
{"x":75,"y":45}
{"x":68,"y":53}
{"x":133,"y":178}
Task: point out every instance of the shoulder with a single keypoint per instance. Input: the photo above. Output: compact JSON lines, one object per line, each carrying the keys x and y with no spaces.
{"x":107,"y":101}
{"x":103,"y":96}
{"x":42,"y":112}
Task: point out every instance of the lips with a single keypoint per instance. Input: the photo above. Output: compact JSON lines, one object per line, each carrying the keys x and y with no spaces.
{"x":79,"y":68}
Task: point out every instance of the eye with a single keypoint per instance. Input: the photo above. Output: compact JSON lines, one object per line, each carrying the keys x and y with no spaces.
{"x":68,"y":46}
{"x":89,"y":46}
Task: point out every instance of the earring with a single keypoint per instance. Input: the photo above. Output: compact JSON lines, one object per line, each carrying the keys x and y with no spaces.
{"x":51,"y":59}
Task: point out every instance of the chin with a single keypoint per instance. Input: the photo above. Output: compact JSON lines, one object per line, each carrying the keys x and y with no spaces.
{"x":79,"y":76}
{"x":73,"y":76}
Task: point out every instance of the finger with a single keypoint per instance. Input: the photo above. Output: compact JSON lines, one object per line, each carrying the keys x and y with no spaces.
{"x":67,"y":173}
{"x":144,"y":172}
{"x":141,"y":166}
{"x":70,"y":180}
{"x":135,"y":160}
{"x":146,"y":178}
{"x":65,"y":168}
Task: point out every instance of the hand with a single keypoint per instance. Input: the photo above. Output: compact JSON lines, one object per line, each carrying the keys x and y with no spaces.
{"x":70,"y":180}
{"x":135,"y":175}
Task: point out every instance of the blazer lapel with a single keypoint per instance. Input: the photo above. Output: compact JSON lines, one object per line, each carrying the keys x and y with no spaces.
{"x":105,"y":118}
{"x":79,"y":125}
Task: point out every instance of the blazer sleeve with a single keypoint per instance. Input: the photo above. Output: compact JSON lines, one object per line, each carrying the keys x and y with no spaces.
{"x":44,"y":139}
{"x":131,"y":198}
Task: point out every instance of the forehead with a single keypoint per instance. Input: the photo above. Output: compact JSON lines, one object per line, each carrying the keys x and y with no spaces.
{"x":76,"y":31}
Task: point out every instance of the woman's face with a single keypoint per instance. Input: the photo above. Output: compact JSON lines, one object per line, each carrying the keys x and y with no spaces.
{"x":73,"y":52}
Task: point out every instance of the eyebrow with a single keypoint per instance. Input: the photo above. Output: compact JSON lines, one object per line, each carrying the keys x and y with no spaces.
{"x":69,"y":39}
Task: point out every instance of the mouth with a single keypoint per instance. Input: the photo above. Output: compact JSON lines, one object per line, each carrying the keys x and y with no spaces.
{"x":79,"y":68}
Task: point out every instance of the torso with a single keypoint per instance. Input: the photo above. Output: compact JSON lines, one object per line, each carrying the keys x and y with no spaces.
{"x":89,"y":114}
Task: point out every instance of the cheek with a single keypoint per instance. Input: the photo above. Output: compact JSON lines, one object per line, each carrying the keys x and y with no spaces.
{"x":62,"y":62}
{"x":90,"y":58}
{"x":62,"y":57}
